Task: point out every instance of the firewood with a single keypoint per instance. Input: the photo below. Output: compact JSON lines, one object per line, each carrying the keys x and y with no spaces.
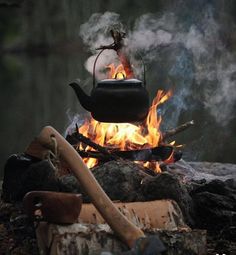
{"x":95,"y":239}
{"x":159,"y":153}
{"x":174,"y":131}
{"x":161,"y":214}
{"x":77,"y":137}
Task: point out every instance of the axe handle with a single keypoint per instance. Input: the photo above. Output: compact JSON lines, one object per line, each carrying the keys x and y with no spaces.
{"x":126,"y":230}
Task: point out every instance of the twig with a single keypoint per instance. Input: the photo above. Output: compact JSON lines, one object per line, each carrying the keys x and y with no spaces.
{"x":117,"y":45}
{"x":118,"y":41}
{"x":177,"y":130}
{"x":78,"y":137}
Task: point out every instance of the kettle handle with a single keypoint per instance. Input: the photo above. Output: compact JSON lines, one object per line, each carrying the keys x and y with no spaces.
{"x":94,"y":68}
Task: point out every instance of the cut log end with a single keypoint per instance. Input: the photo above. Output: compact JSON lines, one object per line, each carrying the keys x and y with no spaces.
{"x":93,"y":239}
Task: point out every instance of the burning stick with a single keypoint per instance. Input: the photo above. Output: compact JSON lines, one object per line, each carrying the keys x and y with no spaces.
{"x":160,"y":153}
{"x":157,"y":154}
{"x":177,"y":130}
{"x":78,"y":137}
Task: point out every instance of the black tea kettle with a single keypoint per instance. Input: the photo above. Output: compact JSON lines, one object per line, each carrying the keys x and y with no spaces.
{"x":115,"y":100}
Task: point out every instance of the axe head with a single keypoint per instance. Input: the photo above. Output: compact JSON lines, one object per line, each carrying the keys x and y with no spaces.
{"x":149,"y":245}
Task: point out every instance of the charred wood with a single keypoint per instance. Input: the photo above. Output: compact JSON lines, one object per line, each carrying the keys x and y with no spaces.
{"x":160,"y":153}
{"x":174,"y":131}
{"x":77,"y":137}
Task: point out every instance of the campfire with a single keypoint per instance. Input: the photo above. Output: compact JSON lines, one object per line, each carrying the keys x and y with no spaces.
{"x":125,"y":136}
{"x":141,"y":141}
{"x":126,"y":195}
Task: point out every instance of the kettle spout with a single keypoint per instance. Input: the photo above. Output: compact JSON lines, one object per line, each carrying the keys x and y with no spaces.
{"x":84,"y":99}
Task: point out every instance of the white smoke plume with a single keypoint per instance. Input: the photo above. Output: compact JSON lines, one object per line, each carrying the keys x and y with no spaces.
{"x":95,"y":33}
{"x":194,"y":55}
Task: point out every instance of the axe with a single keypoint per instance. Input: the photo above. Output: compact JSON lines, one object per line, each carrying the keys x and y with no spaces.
{"x":122,"y":227}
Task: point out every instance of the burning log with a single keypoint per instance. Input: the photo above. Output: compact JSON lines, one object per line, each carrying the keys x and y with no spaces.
{"x":160,"y":153}
{"x":77,"y":137}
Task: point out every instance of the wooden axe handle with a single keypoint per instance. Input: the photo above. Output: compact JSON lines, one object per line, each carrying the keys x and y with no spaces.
{"x":126,"y":230}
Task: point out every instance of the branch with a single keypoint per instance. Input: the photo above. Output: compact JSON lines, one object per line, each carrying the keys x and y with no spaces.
{"x":177,"y":130}
{"x":157,"y":154}
{"x":118,"y":45}
{"x":77,"y":137}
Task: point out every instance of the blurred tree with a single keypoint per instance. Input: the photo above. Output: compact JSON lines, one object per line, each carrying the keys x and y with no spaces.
{"x":11,"y":3}
{"x":45,"y":24}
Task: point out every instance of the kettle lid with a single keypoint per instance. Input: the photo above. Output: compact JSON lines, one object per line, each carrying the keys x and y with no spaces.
{"x":120,"y":80}
{"x":115,"y":82}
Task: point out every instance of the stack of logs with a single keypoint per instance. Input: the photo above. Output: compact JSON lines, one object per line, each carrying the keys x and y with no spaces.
{"x":159,"y":154}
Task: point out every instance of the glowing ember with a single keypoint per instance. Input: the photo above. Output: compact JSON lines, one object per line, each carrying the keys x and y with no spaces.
{"x":126,"y":136}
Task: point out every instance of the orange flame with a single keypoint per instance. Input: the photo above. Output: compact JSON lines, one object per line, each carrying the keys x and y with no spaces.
{"x":126,"y":136}
{"x":116,"y":72}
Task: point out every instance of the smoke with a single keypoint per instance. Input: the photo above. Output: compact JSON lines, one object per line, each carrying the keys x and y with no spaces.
{"x":186,"y":45}
{"x":74,"y":119}
{"x":96,"y":32}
